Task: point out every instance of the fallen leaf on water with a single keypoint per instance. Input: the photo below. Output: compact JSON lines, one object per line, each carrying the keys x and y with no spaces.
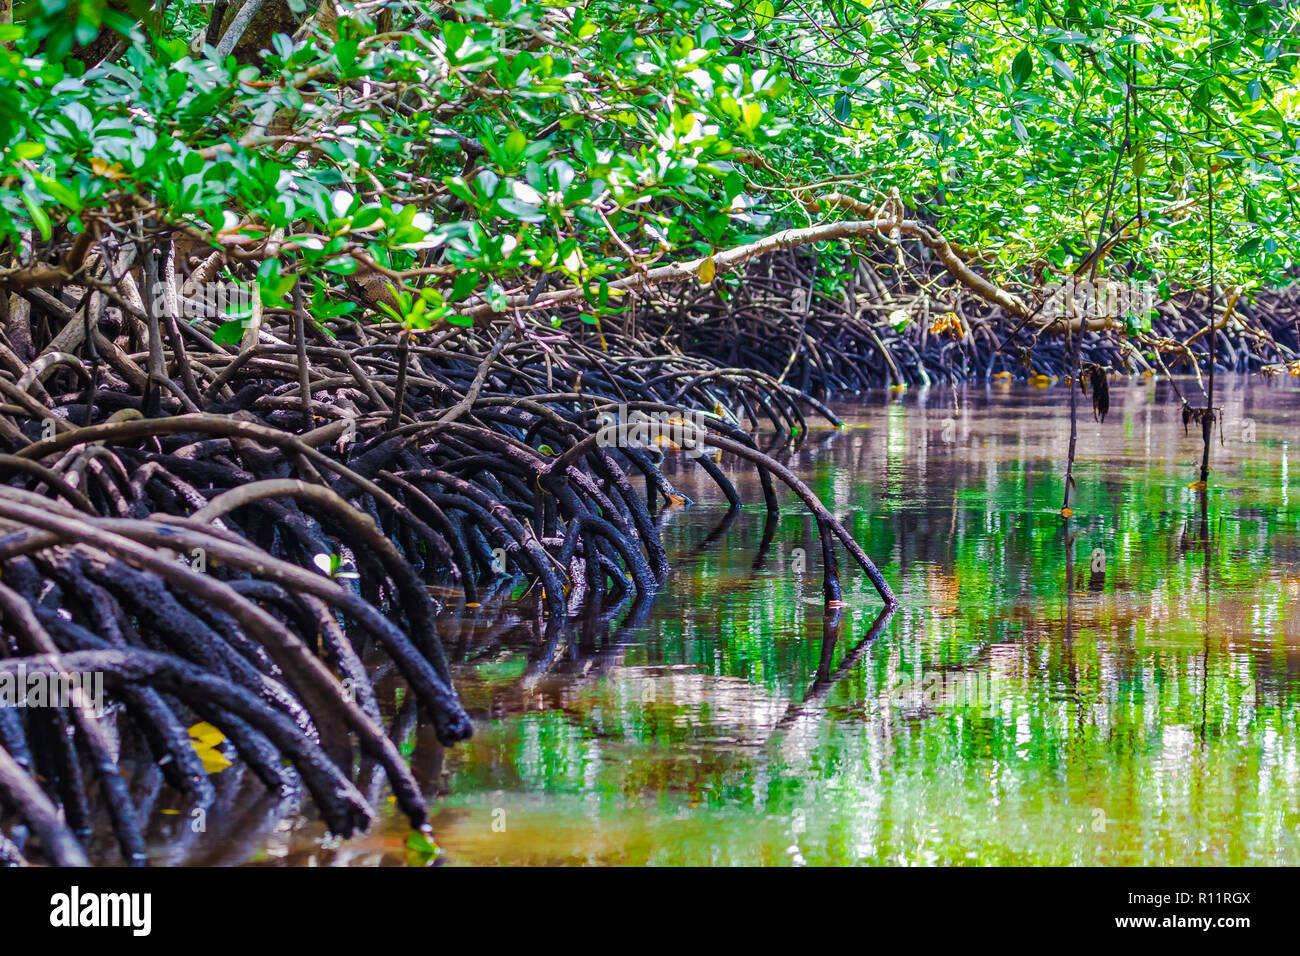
{"x":420,"y":843}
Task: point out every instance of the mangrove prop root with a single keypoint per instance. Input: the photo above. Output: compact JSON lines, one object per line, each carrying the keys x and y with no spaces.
{"x":236,"y":535}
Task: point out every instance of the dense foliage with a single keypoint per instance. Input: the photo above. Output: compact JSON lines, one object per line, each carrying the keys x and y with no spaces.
{"x":198,"y":494}
{"x":455,"y":153}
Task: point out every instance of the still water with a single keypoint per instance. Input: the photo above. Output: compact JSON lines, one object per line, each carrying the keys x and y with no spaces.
{"x":1119,"y":691}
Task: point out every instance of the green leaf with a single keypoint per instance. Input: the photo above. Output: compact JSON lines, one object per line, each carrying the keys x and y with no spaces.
{"x":229,"y":333}
{"x":526,"y":212}
{"x":341,"y":265}
{"x":419,"y":842}
{"x":464,"y":284}
{"x":516,"y":143}
{"x":843,"y":107}
{"x":366,"y":217}
{"x":39,"y":217}
{"x":1063,"y":70}
{"x":1023,"y":67}
{"x":60,"y":193}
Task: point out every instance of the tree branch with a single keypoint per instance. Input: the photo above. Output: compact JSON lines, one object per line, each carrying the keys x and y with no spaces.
{"x":731,"y":259}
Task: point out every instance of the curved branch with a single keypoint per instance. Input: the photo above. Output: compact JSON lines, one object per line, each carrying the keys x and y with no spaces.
{"x":788,"y":239}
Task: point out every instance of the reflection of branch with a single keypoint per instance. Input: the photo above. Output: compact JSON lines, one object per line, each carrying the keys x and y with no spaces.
{"x":826,"y":678}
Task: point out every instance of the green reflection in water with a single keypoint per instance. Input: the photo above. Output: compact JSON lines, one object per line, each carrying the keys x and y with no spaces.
{"x":1145,"y":715}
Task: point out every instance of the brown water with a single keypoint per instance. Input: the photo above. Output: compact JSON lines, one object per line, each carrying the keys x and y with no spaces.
{"x":1126,"y":695}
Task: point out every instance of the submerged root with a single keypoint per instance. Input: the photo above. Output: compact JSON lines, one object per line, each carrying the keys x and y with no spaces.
{"x":232,"y":539}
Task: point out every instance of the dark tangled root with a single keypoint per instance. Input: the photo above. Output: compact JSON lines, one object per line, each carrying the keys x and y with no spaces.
{"x":222,"y":544}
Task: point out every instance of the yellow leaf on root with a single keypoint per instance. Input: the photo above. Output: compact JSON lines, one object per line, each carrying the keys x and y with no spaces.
{"x":214,"y":761}
{"x":206,"y":735}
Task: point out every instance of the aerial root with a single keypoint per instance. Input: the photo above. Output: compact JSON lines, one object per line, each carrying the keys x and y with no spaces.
{"x":240,"y":544}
